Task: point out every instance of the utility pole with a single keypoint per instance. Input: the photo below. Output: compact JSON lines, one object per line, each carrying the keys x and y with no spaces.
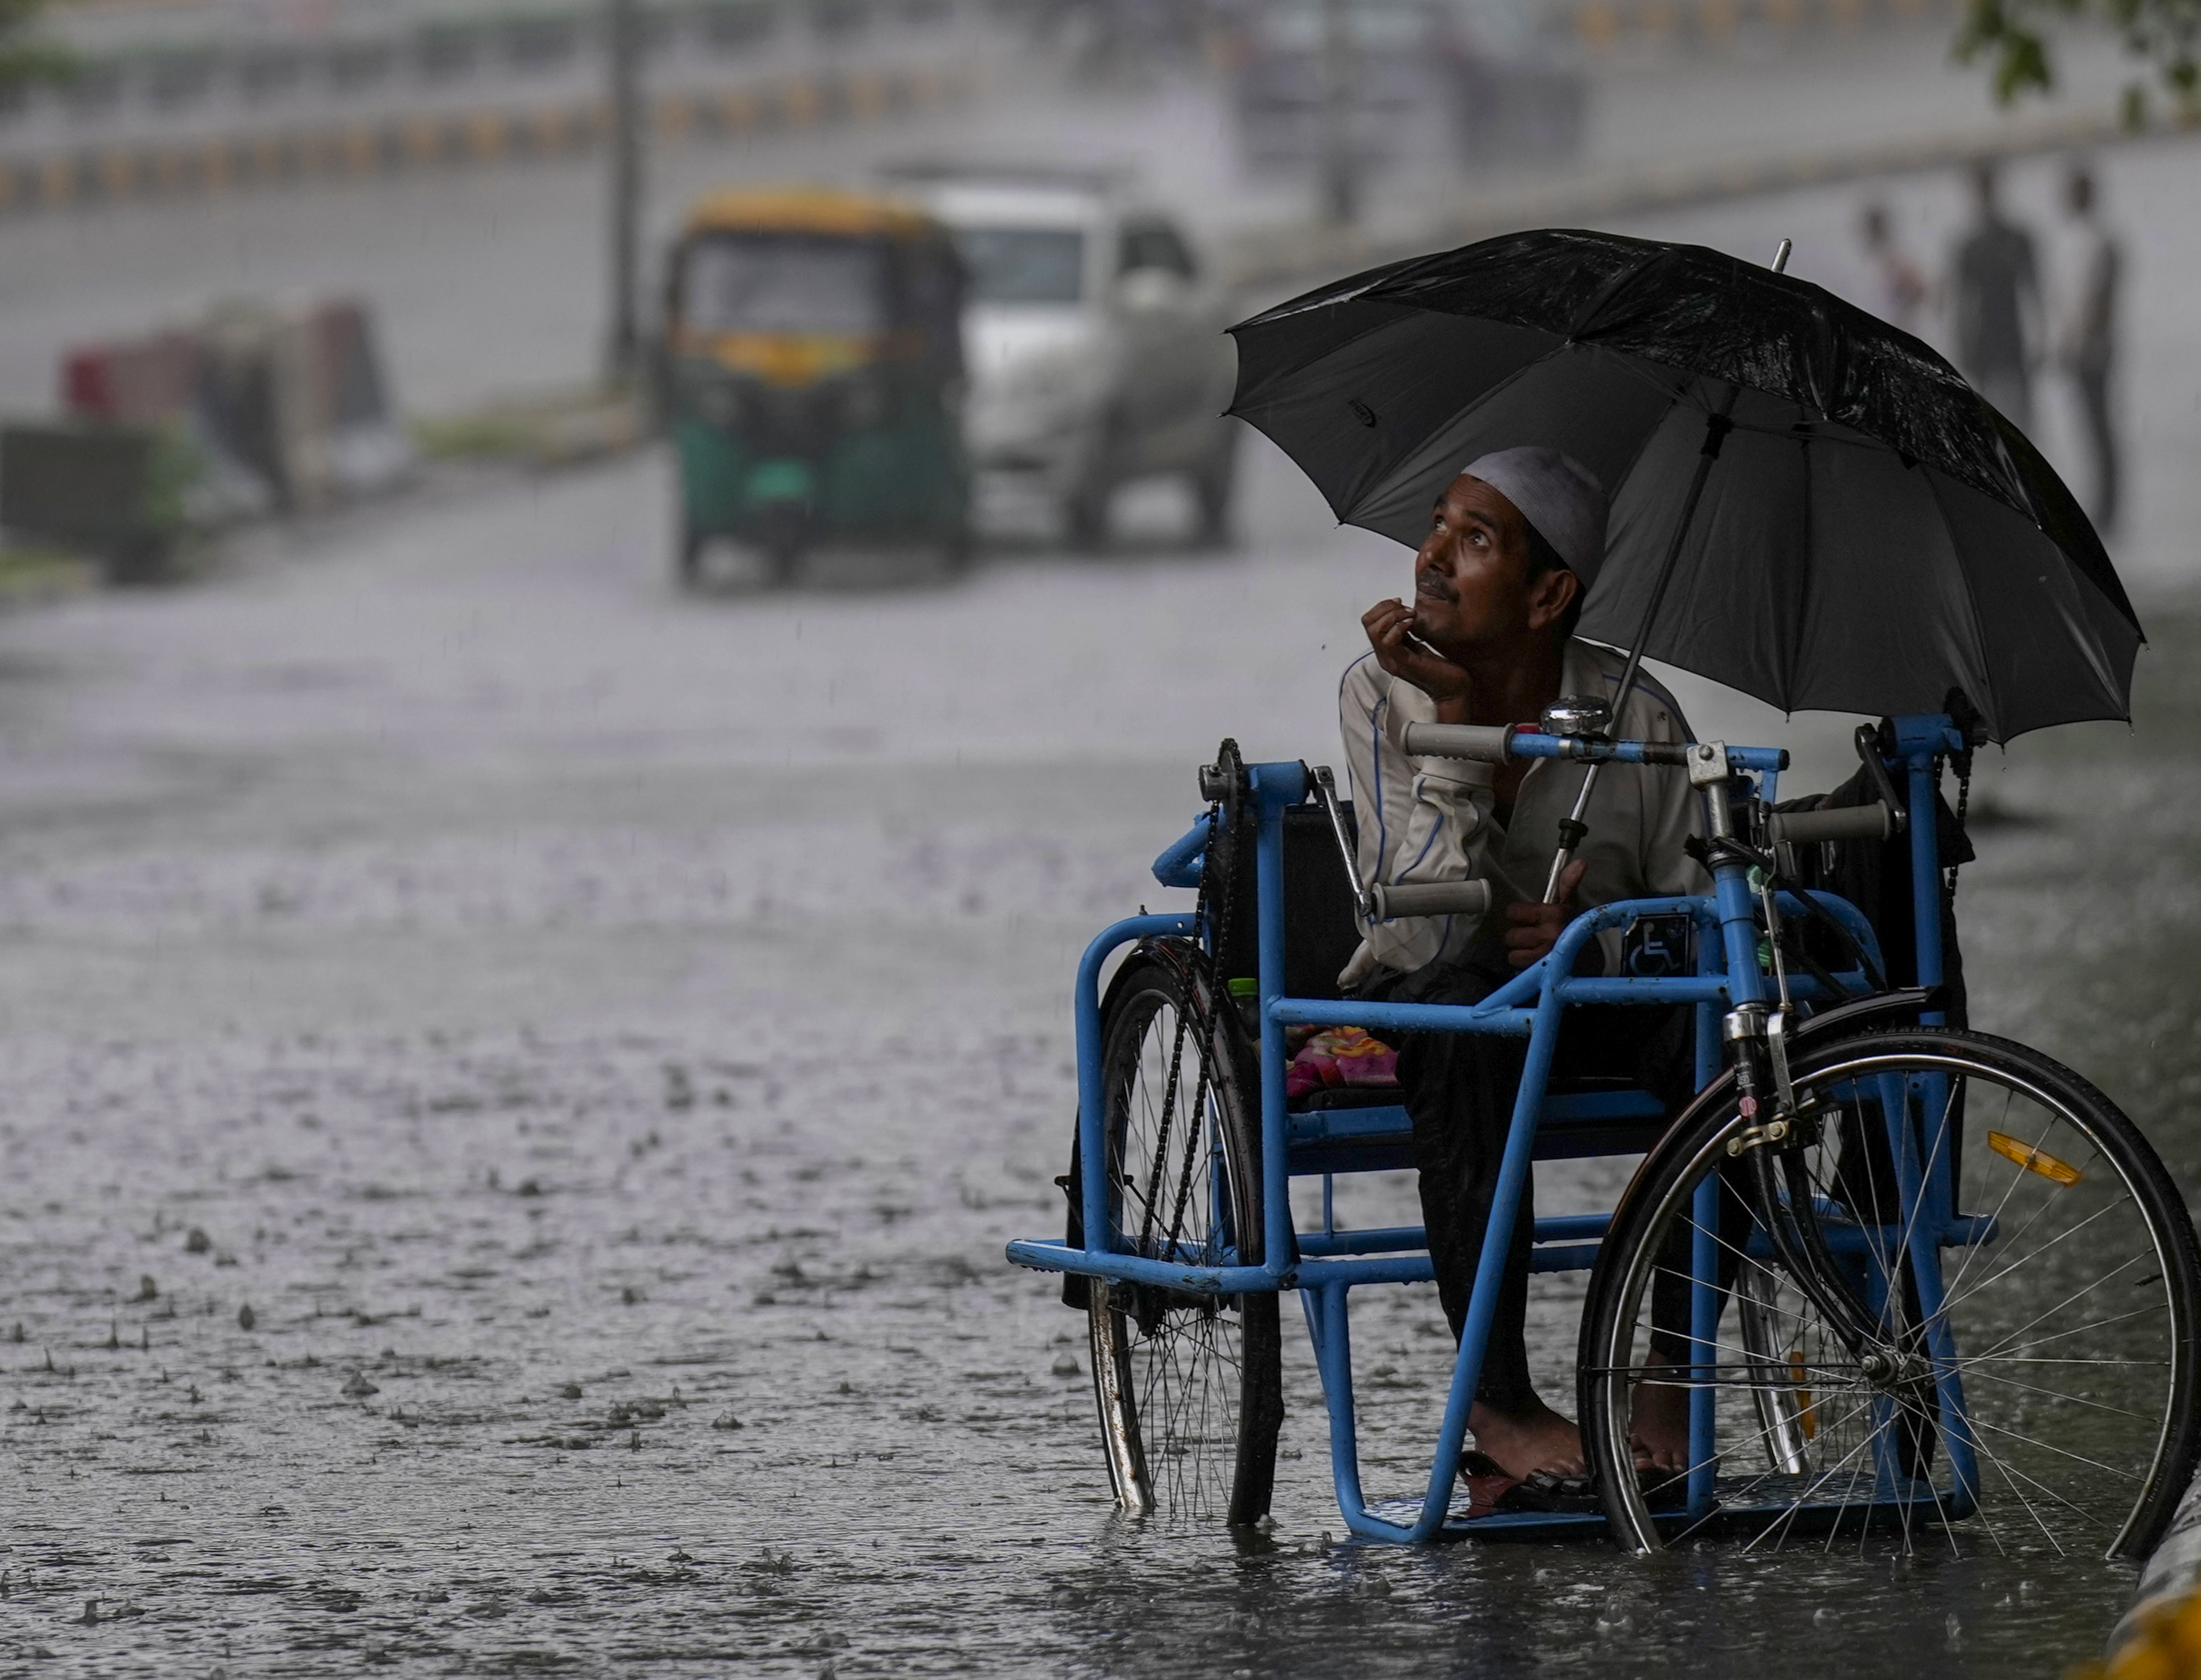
{"x":623,"y":60}
{"x":1341,"y":185}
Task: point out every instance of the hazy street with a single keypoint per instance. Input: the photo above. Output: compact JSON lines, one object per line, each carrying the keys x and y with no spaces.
{"x":518,"y":1078}
{"x":525,"y":977}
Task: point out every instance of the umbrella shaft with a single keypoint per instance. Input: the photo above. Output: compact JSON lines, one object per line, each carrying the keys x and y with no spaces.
{"x":1716,"y":426}
{"x":1570,"y":833}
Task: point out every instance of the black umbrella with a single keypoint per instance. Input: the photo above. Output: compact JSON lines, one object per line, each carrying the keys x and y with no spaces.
{"x":1807,"y":504}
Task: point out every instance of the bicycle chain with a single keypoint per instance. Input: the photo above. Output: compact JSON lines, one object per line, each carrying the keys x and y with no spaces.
{"x":1223,"y":821}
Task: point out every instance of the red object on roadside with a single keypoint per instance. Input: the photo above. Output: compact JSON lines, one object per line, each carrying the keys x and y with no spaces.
{"x":130,"y":381}
{"x":86,"y":391}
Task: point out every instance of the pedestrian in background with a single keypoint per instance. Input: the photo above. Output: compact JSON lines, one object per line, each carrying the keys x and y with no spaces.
{"x":1995,"y":299}
{"x":1896,"y":289}
{"x":2087,"y":343}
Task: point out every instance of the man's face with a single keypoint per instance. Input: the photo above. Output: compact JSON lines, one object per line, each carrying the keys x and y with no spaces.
{"x":1471,"y":588}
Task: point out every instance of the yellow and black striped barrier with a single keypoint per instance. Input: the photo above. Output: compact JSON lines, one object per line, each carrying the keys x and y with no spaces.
{"x":151,"y":171}
{"x":1602,"y":25}
{"x":2163,"y":1642}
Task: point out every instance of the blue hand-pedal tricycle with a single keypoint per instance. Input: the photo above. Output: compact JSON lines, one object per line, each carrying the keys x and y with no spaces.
{"x":1909,"y":1277}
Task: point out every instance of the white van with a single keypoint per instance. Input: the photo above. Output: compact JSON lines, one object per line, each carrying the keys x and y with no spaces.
{"x":1094,"y":341}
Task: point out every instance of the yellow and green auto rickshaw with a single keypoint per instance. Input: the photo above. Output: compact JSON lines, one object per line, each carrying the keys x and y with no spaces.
{"x":814,"y":376}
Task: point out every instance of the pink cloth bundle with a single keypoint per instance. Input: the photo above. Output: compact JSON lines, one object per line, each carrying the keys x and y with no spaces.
{"x":1340,"y":1056}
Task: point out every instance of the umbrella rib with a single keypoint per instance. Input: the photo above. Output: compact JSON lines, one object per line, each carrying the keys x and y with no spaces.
{"x":1362,"y":493}
{"x":1613,"y":289}
{"x":1991,"y":703}
{"x":1792,"y":643}
{"x":1241,"y":400}
{"x":1818,"y":372}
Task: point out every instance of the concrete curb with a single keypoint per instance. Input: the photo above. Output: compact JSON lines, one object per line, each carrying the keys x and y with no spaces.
{"x":564,"y":429}
{"x":40,"y":579}
{"x":1271,"y":256}
{"x":170,"y":169}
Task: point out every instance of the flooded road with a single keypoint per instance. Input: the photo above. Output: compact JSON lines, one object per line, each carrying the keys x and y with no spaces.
{"x":518,"y":1082}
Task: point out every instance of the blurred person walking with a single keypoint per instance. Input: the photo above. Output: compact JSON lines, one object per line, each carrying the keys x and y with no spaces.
{"x":1995,"y":298}
{"x":1896,"y":289}
{"x":2087,"y":343}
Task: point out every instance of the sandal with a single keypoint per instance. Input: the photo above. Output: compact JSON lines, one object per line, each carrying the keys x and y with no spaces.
{"x":1487,"y":1484}
{"x":1543,"y":1491}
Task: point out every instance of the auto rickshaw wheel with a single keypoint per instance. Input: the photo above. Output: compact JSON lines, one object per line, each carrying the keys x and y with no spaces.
{"x":783,"y":560}
{"x":1213,"y":483}
{"x":956,"y":547}
{"x":1085,"y":518}
{"x":689,"y":560}
{"x":1085,"y":510}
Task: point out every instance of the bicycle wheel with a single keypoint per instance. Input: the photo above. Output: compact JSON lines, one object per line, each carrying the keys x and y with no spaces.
{"x":1189,"y":1386}
{"x":2019,"y":1366}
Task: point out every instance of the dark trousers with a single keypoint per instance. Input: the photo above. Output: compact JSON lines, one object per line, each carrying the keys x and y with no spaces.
{"x":2093,"y":384}
{"x":1460,"y":1089}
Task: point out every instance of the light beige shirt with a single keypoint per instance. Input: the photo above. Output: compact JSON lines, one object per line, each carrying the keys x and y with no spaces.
{"x":1426,"y":820}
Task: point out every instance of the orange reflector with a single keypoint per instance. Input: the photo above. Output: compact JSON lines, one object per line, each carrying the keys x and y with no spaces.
{"x":1807,"y":1418}
{"x":2032,"y":1159}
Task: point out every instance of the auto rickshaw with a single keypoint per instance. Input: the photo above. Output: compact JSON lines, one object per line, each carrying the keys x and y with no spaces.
{"x":812,"y":377}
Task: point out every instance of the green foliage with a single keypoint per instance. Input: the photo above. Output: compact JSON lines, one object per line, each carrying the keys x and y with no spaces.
{"x":2015,"y":37}
{"x":24,"y":57}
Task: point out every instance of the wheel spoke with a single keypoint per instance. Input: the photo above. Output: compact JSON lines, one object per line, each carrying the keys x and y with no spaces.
{"x":2048,"y":1454}
{"x":2058,"y":1394}
{"x":1994,"y":1278}
{"x":2012,"y":1335}
{"x":1802,"y":1498}
{"x":1175,"y":1131}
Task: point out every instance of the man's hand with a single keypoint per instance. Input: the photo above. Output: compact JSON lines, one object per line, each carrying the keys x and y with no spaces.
{"x":1390,"y":625}
{"x":1536,"y":927}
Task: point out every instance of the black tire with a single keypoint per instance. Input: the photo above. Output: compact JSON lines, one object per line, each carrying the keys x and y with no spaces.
{"x":1188,"y":1387}
{"x":1085,"y":518}
{"x":783,"y":561}
{"x":958,"y":547}
{"x":1213,"y":486}
{"x":1085,"y":510}
{"x":2070,"y":1327}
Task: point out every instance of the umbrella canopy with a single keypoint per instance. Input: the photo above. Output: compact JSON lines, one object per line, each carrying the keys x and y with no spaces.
{"x":1873,"y":534}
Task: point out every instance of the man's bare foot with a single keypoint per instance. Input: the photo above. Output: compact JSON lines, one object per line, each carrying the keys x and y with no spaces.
{"x":1539,"y":1439}
{"x":1661,"y":1433}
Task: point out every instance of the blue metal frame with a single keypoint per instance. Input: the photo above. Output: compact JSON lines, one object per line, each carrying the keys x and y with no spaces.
{"x":1326,"y":1265}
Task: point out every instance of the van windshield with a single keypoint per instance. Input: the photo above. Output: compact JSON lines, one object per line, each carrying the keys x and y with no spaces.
{"x":783,"y":283}
{"x":1024,"y":265}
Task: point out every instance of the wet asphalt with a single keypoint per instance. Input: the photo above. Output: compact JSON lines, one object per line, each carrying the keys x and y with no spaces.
{"x":517,"y":1081}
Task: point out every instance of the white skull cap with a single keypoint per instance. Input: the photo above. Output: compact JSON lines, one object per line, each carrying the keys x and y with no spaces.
{"x":1556,"y":495}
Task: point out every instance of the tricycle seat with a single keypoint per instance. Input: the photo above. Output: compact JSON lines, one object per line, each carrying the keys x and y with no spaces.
{"x":1366,"y":1129}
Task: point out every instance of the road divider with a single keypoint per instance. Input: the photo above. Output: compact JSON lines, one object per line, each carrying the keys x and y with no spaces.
{"x":128,"y":171}
{"x":1603,"y":26}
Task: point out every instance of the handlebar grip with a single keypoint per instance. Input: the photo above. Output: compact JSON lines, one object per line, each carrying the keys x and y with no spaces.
{"x":1484,"y":742}
{"x":1852,"y":822}
{"x":1433,"y":898}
